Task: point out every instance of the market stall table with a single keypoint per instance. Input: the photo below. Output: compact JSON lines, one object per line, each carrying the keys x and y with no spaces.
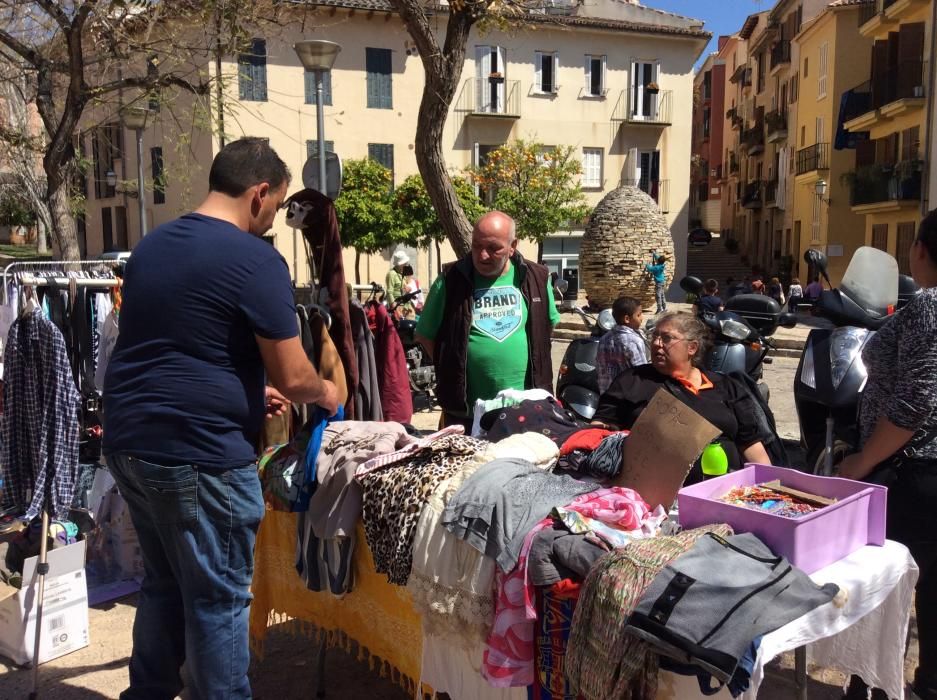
{"x":863,"y":633}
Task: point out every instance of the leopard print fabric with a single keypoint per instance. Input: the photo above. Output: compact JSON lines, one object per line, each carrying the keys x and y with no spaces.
{"x":394,"y":497}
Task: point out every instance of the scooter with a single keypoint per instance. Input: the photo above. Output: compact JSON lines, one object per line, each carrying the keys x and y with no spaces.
{"x":742,"y":333}
{"x":577,"y":383}
{"x":831,"y":374}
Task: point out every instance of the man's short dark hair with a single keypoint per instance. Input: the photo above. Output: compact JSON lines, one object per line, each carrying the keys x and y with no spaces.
{"x":244,"y":163}
{"x":624,"y":306}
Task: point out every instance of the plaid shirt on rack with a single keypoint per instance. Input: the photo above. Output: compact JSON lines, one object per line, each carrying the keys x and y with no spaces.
{"x":39,"y":426}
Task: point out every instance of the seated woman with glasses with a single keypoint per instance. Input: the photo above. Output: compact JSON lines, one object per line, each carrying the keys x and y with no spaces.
{"x":678,"y":345}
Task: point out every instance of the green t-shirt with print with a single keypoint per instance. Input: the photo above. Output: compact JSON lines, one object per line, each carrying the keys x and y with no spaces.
{"x":498,"y":350}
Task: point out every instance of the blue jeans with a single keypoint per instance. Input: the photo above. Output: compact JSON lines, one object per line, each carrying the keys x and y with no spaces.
{"x":197,"y":529}
{"x":659,"y":294}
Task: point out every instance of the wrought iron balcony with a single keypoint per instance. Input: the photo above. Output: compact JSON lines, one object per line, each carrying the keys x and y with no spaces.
{"x":780,"y":53}
{"x":815,"y":157}
{"x":879,"y":184}
{"x":752,"y":196}
{"x":644,"y":106}
{"x":490,"y":97}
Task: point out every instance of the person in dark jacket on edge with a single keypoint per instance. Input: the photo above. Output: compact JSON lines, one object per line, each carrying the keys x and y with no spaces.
{"x":898,"y":427}
{"x":208,"y":316}
{"x":487,"y":322}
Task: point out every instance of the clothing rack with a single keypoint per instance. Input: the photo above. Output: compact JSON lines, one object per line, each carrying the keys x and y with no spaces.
{"x":60,"y":273}
{"x":53,"y":273}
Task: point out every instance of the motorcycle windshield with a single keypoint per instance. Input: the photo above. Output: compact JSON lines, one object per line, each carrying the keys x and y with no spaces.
{"x":871,"y":281}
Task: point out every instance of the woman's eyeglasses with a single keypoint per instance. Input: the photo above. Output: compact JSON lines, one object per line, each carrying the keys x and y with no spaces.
{"x":666,"y":339}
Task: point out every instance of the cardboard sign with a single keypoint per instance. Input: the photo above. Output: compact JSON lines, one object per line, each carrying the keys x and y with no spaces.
{"x":664,"y":442}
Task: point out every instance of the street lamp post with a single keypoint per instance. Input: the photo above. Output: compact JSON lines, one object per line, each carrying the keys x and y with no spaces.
{"x":318,"y":55}
{"x":135,"y":118}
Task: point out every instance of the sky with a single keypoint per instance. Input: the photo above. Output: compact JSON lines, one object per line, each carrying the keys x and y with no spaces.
{"x":721,"y":16}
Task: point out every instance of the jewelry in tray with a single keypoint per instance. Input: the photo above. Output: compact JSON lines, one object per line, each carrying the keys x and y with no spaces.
{"x":772,"y":497}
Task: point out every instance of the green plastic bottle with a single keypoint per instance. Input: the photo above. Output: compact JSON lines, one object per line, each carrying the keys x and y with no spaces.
{"x":715,"y":461}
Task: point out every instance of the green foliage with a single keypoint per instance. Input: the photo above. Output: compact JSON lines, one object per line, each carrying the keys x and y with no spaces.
{"x":364,"y":209}
{"x":415,"y":218}
{"x":535,"y":185}
{"x":15,"y":212}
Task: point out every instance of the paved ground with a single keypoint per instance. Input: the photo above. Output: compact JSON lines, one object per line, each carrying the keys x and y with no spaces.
{"x":288,"y":669}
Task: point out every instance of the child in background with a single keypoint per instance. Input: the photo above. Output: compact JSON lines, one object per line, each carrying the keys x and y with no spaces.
{"x":710,"y":301}
{"x":656,"y":269}
{"x":624,"y":346}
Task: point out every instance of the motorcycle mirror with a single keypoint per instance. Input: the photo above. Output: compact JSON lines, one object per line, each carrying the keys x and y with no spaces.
{"x":692,"y":285}
{"x":814,"y":257}
{"x":787,"y":320}
{"x":562,"y":286}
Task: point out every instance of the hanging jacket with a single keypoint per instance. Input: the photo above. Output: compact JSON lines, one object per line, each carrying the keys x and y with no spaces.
{"x":320,"y":230}
{"x":393,"y":375}
{"x":368,"y":395}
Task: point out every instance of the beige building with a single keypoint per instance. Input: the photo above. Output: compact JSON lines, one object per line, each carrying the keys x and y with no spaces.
{"x":614,"y":80}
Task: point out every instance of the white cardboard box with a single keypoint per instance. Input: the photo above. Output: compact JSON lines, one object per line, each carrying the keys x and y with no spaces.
{"x":64,"y":612}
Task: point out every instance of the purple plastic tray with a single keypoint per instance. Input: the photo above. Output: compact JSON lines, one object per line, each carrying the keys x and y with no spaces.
{"x":810,"y":542}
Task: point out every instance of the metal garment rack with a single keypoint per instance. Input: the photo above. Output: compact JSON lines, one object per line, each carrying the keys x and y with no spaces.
{"x":54,"y":273}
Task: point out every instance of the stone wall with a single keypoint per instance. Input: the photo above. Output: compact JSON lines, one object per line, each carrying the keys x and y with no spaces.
{"x":622,"y":230}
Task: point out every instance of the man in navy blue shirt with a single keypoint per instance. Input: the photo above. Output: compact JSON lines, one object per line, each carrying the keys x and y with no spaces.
{"x":207,"y":320}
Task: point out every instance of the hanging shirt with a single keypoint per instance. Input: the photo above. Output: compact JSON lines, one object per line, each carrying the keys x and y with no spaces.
{"x":185,"y":384}
{"x":39,"y":449}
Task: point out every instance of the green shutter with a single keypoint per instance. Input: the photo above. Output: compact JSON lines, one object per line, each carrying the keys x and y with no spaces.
{"x":383,"y":153}
{"x":312,"y":147}
{"x":378,"y":63}
{"x":259,"y":51}
{"x":310,"y":87}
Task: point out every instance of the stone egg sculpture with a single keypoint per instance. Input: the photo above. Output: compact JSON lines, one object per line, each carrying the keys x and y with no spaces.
{"x":622,"y":230}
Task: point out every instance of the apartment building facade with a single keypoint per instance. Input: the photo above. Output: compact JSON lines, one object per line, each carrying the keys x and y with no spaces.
{"x":887,"y":183}
{"x":833,"y":58}
{"x":707,"y":164}
{"x":613,"y":80}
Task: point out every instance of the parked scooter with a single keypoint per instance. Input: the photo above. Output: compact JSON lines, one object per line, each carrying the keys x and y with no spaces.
{"x":831,"y":374}
{"x":577,"y":384}
{"x":742,"y":333}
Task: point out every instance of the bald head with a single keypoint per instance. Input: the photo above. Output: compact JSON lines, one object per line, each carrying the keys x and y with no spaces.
{"x":493,"y":243}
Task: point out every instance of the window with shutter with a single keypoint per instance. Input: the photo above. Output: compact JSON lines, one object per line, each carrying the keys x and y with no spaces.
{"x":545,"y":73}
{"x":903,"y":246}
{"x":312,"y":147}
{"x":310,"y":85}
{"x":159,"y":176}
{"x":252,"y":72}
{"x":383,"y":153}
{"x":822,"y":71}
{"x":880,"y":237}
{"x":591,"y":168}
{"x":107,"y":225}
{"x":378,"y":63}
{"x":120,"y":215}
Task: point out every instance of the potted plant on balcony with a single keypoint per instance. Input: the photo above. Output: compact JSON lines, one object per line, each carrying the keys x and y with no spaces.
{"x":496,"y":77}
{"x":652,"y":88}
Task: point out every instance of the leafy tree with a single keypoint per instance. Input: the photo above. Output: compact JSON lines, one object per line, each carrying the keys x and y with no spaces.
{"x":443,"y":63}
{"x":536,"y":185}
{"x":81,"y":60}
{"x":416,"y":220}
{"x":364,"y":209}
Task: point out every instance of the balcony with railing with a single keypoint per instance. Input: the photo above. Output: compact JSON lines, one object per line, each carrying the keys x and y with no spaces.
{"x":644,"y":106}
{"x":752,"y":196}
{"x":892,"y":92}
{"x":811,"y":158}
{"x":733,"y":164}
{"x":771,"y":193}
{"x":776,"y":125}
{"x":753,"y":140}
{"x":658,"y":190}
{"x":743,"y":75}
{"x":881,"y":187}
{"x":877,"y":14}
{"x":780,"y":54}
{"x":492,"y":97}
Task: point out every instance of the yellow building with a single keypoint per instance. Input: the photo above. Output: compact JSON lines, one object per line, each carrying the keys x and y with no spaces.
{"x":833,"y":59}
{"x":613,"y":80}
{"x":886,"y":178}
